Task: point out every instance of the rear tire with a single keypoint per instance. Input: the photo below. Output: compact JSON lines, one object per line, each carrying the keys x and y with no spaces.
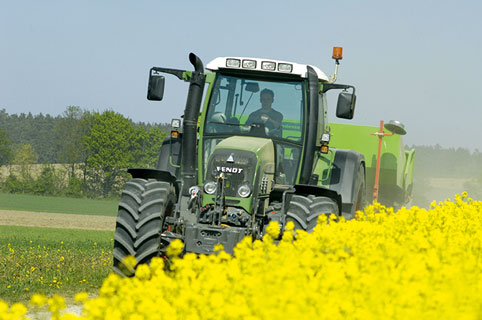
{"x":304,"y":211}
{"x":360,"y":198}
{"x":142,"y":209}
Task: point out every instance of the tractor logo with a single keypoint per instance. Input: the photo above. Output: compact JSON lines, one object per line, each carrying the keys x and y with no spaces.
{"x":230,"y":158}
{"x":229,"y":170}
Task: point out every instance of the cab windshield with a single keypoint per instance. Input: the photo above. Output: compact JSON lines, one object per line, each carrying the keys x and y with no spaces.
{"x":256,"y":107}
{"x":252,"y":107}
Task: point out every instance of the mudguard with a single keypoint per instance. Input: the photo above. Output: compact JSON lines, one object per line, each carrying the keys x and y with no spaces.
{"x":305,"y":189}
{"x":160,"y":175}
{"x":279,"y":192}
{"x":344,"y":176}
{"x":170,"y":156}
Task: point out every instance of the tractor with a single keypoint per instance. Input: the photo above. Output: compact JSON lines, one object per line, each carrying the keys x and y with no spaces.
{"x":258,"y":151}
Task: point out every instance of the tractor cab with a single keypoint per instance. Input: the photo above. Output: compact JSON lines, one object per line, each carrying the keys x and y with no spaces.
{"x":253,"y":128}
{"x":250,"y":104}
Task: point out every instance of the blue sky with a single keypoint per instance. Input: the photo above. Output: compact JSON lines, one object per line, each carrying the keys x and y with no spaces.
{"x":415,"y":61}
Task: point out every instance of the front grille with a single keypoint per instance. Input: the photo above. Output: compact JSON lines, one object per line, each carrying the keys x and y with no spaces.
{"x":240,"y":169}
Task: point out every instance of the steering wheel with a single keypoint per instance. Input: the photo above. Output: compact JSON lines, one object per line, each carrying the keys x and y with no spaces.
{"x":275,"y":132}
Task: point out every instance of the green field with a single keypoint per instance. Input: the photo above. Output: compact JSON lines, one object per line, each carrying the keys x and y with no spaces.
{"x":52,"y":261}
{"x":24,"y":202}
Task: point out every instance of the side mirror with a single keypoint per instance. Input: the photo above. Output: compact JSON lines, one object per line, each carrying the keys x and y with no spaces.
{"x":345,"y":107}
{"x":155,"y":89}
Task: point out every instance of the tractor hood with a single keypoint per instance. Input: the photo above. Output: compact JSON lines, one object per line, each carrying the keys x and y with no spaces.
{"x":259,"y":146}
{"x":244,"y":161}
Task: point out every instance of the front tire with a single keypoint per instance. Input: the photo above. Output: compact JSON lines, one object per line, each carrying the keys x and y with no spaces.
{"x":142,"y":209}
{"x":304,"y":210}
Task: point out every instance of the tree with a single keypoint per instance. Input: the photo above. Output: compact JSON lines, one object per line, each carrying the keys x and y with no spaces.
{"x":70,"y":134}
{"x":49,"y":182}
{"x":36,"y":130}
{"x":5,"y":148}
{"x":24,"y":157}
{"x":147,"y":146}
{"x":43,"y":137}
{"x":109,"y":152}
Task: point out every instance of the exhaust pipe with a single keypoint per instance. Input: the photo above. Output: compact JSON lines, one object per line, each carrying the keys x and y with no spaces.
{"x":191,"y":115}
{"x":196,"y":62}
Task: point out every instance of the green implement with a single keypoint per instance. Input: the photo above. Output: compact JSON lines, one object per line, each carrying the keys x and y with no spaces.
{"x":396,"y":162}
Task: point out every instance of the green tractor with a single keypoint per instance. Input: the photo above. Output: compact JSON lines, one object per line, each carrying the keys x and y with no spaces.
{"x":258,"y":151}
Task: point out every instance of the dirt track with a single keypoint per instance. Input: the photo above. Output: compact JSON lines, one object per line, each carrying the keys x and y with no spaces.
{"x":56,"y":220}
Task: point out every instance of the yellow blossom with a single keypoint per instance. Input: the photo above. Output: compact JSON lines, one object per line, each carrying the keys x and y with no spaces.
{"x":81,"y":297}
{"x":412,"y":263}
{"x":56,"y":303}
{"x":175,"y":248}
{"x":38,"y":300}
{"x":273,"y":229}
{"x":143,"y":272}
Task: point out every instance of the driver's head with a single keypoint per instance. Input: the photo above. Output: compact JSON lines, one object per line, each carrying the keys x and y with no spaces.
{"x":266,"y":98}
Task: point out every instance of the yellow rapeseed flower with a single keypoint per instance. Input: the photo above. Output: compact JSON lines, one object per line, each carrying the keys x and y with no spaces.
{"x":3,"y":307}
{"x":18,"y":310}
{"x":175,"y":248}
{"x":410,"y":264}
{"x":56,"y":303}
{"x":273,"y":229}
{"x":38,"y":300}
{"x":143,"y":272}
{"x":218,"y":247}
{"x":81,"y":297}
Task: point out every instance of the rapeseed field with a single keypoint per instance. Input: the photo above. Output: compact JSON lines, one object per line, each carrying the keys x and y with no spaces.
{"x":410,"y":264}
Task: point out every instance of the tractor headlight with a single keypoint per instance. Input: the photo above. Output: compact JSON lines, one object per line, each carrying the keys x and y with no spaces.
{"x":210,"y":187}
{"x":244,"y":190}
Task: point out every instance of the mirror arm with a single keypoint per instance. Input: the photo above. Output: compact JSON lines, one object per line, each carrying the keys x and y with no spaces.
{"x":329,"y":86}
{"x":176,"y":72}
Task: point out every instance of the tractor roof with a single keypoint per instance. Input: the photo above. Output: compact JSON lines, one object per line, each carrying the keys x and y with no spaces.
{"x":259,"y":64}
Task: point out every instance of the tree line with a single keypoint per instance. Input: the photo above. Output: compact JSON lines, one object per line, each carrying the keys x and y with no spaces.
{"x":437,"y":161}
{"x":95,"y":149}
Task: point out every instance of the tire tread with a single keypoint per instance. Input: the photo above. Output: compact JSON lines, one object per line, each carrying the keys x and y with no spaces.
{"x":138,"y":227}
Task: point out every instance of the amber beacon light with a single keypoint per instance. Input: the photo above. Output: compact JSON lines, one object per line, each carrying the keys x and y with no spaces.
{"x":337,"y":56}
{"x":337,"y":53}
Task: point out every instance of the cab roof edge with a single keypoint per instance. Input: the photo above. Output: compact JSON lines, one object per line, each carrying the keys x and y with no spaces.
{"x":260,"y":64}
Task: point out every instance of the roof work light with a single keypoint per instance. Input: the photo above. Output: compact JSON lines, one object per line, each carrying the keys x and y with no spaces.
{"x":249,"y":64}
{"x":268,"y":65}
{"x":233,"y":63}
{"x":285,"y":67}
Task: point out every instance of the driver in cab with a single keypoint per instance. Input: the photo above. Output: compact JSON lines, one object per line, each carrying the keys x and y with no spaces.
{"x":266,"y":115}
